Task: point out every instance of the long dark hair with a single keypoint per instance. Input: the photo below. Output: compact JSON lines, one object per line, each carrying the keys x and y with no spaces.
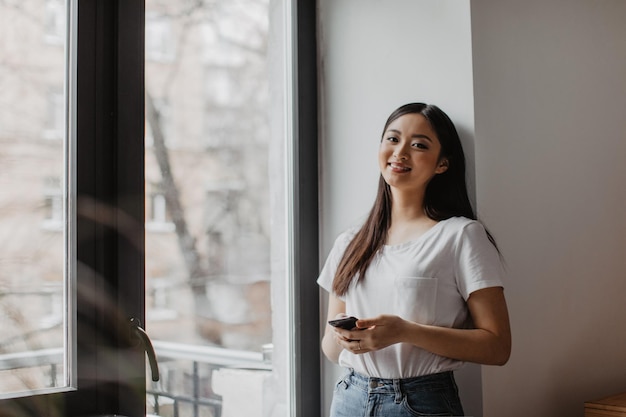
{"x":445,"y":197}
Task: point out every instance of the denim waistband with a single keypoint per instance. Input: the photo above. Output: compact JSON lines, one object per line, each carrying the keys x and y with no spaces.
{"x":383,"y":385}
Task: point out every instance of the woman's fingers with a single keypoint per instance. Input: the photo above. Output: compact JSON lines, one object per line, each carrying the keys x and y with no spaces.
{"x":353,"y":345}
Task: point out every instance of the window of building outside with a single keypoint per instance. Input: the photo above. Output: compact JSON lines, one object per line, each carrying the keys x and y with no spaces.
{"x":55,"y":18}
{"x":53,"y":204}
{"x":160,"y":39}
{"x":55,"y":126}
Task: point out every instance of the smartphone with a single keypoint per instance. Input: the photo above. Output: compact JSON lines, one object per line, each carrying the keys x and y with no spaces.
{"x":347,"y":323}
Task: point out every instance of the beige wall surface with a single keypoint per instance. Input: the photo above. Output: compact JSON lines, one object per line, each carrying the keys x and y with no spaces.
{"x":550,"y":96}
{"x":537,"y":90}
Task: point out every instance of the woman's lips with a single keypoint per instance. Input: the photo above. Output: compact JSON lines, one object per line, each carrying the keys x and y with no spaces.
{"x":395,"y":167}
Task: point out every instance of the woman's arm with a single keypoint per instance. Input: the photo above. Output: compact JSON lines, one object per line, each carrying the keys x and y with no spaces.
{"x":336,"y":308}
{"x":488,"y":343}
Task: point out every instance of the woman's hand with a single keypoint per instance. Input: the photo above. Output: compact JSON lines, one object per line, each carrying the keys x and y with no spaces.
{"x":372,"y":334}
{"x":347,"y":339}
{"x":369,"y":335}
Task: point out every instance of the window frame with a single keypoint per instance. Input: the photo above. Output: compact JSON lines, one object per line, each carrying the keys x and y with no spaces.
{"x":110,"y":159}
{"x":306,"y":391}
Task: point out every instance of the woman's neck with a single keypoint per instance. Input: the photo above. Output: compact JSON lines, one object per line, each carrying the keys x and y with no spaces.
{"x":408,"y":221}
{"x":407,"y":206}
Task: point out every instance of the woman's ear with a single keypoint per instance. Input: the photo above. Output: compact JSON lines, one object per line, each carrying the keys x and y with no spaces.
{"x":442,"y":166}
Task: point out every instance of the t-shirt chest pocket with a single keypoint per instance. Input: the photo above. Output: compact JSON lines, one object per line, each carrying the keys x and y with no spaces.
{"x":416,"y":298}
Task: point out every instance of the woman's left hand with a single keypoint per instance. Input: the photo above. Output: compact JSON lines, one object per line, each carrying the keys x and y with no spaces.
{"x":372,"y":334}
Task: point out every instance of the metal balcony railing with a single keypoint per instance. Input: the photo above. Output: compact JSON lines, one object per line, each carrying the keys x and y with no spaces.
{"x":185,"y":389}
{"x":196,"y":364}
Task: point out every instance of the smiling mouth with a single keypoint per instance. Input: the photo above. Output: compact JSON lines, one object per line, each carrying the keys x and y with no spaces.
{"x":398,"y":167}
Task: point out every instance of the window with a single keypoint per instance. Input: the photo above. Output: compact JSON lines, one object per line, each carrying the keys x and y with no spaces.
{"x":55,"y":124}
{"x":158,"y":218}
{"x":225,"y":276}
{"x":159,"y":37}
{"x":159,"y":209}
{"x":56,"y":12}
{"x":218,"y":279}
{"x":53,"y":204}
{"x":65,"y":298}
{"x":106,"y":118}
{"x":33,"y":264}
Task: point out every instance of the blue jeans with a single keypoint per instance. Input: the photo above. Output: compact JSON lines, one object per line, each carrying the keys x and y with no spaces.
{"x":430,"y":395}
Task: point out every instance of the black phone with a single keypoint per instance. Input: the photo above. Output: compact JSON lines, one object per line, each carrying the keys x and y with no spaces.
{"x":347,"y":323}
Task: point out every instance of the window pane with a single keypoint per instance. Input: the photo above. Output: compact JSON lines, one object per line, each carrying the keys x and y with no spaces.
{"x":215,"y":163}
{"x":33,"y":196}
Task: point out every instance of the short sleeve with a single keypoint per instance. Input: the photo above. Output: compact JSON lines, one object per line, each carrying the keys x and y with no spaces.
{"x":326,"y":277}
{"x":479,"y":264}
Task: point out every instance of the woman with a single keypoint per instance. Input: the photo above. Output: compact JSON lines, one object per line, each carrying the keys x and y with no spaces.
{"x":421,"y":274}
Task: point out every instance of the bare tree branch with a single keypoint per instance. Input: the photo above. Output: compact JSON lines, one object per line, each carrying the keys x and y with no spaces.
{"x":187,"y":243}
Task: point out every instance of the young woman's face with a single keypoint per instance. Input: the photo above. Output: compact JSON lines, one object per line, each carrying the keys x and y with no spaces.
{"x":409,"y":153}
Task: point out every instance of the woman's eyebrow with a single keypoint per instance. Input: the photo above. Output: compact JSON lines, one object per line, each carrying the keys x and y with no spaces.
{"x":393,"y":131}
{"x":415,"y":136}
{"x":420,"y":136}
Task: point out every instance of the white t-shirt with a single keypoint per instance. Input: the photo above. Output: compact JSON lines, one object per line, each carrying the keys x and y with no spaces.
{"x":428,"y":281}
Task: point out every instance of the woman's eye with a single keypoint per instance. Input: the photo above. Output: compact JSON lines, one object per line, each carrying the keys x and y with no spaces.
{"x":420,"y":145}
{"x":392,"y":139}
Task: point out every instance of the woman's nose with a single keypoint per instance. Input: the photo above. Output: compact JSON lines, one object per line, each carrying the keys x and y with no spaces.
{"x":400,"y":153}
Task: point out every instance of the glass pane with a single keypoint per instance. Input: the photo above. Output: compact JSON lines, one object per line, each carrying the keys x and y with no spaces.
{"x":215,"y":207}
{"x":33,"y":196}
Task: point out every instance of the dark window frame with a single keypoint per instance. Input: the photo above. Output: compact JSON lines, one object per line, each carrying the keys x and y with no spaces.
{"x":306,"y":372}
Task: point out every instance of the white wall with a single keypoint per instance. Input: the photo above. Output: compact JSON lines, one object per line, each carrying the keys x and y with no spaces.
{"x":545,"y":82}
{"x":375,"y":56}
{"x":550,"y":87}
